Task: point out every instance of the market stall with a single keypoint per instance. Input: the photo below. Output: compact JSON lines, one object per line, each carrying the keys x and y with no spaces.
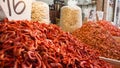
{"x":59,"y":34}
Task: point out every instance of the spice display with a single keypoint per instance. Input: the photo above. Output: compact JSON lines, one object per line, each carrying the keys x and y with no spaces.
{"x":98,"y":39}
{"x":25,"y":44}
{"x":115,"y":31}
{"x":71,"y":17}
{"x":40,"y":12}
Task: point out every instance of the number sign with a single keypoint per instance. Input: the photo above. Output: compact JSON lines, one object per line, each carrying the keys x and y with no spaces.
{"x":16,"y":9}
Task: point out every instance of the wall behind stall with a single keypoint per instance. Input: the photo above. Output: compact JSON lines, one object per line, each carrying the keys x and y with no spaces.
{"x":47,"y":1}
{"x":88,"y":9}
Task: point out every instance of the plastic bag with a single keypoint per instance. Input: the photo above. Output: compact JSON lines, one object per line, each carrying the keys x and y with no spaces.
{"x":40,"y":12}
{"x":71,"y":17}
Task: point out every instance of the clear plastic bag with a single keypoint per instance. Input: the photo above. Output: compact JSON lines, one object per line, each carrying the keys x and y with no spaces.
{"x":40,"y":12}
{"x":71,"y":17}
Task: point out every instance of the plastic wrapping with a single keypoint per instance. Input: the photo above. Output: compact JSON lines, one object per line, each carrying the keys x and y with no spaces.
{"x":40,"y":12}
{"x":71,"y":17}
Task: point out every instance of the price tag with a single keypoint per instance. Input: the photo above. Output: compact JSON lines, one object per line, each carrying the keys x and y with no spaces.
{"x":16,"y":9}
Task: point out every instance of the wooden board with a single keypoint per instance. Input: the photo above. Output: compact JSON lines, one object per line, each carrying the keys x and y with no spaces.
{"x":117,"y":39}
{"x":115,"y":63}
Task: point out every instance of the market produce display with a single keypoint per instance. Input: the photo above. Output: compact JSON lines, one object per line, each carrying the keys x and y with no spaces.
{"x":98,"y":38}
{"x":111,"y":28}
{"x":25,"y":44}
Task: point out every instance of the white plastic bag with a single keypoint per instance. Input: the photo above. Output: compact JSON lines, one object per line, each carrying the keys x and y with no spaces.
{"x":100,"y":15}
{"x":40,"y":12}
{"x":71,"y":17}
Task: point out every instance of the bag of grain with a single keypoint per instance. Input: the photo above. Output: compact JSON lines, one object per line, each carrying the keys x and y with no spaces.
{"x":40,"y":12}
{"x":71,"y":16}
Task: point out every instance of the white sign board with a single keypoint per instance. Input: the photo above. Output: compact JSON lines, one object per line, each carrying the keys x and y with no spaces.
{"x":2,"y":15}
{"x":16,"y":9}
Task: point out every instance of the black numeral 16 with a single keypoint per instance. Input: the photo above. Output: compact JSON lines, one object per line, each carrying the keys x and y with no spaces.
{"x":15,"y":6}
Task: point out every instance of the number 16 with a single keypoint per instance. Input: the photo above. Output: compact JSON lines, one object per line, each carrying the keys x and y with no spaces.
{"x":15,"y":6}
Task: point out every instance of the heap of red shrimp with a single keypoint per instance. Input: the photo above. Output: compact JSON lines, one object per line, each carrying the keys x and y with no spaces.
{"x":115,"y":31}
{"x":25,"y":44}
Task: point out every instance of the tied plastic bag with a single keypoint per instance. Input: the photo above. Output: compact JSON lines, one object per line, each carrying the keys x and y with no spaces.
{"x":40,"y":12}
{"x":71,"y":16}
